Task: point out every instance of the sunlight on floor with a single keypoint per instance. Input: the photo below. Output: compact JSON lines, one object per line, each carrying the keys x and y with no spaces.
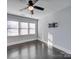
{"x":50,"y":39}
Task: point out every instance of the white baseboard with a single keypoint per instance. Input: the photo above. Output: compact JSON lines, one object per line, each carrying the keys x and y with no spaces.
{"x":63,"y":49}
{"x":60,"y":48}
{"x":18,"y":42}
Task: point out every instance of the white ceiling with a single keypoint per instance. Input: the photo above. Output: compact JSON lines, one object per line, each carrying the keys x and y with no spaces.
{"x":51,"y":6}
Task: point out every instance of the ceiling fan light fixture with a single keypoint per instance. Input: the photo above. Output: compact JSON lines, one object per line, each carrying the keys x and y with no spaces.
{"x":30,"y":8}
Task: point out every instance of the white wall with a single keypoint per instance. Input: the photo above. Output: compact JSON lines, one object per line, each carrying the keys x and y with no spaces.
{"x":22,"y":38}
{"x":61,"y":36}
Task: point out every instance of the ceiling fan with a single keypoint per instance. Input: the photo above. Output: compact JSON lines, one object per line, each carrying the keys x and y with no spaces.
{"x":31,"y":6}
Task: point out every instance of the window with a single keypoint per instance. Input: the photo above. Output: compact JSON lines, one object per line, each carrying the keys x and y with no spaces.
{"x":23,"y":28}
{"x":12,"y":28}
{"x":31,"y":28}
{"x":16,"y":28}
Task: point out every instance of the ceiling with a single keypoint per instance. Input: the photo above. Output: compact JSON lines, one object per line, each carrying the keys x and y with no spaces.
{"x":51,"y":6}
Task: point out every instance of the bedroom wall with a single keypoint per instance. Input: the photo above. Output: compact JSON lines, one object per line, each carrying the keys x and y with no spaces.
{"x":61,"y":35}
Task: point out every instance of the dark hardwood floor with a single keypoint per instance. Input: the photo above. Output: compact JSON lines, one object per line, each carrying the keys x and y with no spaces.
{"x":34,"y":50}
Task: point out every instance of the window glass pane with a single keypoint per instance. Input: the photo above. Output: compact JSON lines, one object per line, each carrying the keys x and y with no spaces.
{"x":12,"y":32}
{"x":24,"y":25}
{"x":31,"y":25}
{"x":12,"y":24}
{"x":32,"y":31}
{"x":23,"y":31}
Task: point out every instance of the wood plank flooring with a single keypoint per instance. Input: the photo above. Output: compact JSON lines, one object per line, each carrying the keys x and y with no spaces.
{"x":34,"y":50}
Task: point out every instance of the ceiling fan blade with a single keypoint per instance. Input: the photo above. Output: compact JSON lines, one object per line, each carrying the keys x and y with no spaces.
{"x":23,"y":9}
{"x":39,"y":8}
{"x":34,"y":1}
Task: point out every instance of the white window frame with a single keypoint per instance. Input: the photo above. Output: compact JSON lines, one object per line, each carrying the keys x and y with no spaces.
{"x":13,"y":29}
{"x":19,"y":29}
{"x":32,"y":28}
